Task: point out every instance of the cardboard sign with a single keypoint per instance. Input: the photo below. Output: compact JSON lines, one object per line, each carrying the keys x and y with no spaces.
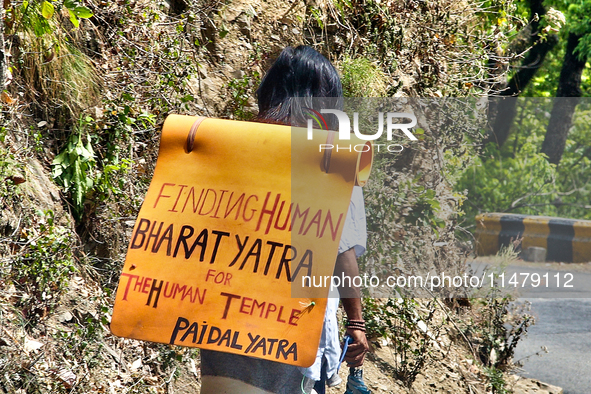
{"x":236,"y":214}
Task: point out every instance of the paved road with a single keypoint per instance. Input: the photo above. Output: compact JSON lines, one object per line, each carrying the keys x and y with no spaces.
{"x":563,"y":326}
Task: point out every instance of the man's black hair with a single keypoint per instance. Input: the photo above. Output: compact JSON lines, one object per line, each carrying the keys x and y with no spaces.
{"x":304,"y":73}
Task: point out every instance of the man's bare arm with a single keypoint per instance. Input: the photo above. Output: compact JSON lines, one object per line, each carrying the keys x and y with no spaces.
{"x":346,"y":265}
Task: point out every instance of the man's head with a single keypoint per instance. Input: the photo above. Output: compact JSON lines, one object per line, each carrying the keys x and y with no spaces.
{"x":298,"y":72}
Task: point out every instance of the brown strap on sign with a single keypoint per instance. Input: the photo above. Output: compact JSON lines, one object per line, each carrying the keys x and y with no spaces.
{"x":328,"y":152}
{"x":192,"y":133}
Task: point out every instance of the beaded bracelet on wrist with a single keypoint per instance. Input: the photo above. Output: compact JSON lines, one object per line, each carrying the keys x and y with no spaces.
{"x":356,"y":325}
{"x":356,"y":328}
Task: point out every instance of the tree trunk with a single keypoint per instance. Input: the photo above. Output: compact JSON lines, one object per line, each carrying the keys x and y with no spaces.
{"x":569,"y":85}
{"x":530,"y":66}
{"x":502,"y":109}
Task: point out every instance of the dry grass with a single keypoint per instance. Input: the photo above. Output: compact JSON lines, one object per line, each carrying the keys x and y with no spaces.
{"x":53,"y":71}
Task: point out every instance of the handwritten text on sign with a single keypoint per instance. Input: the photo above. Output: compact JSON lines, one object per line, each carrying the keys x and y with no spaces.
{"x":222,"y":235}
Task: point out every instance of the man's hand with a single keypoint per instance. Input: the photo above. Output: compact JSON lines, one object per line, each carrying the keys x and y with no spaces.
{"x":357,"y":349}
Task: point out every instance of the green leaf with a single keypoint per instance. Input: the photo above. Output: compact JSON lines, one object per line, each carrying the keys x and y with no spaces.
{"x":47,"y":9}
{"x":83,"y":12}
{"x":59,"y":159}
{"x":73,"y":18}
{"x":223,"y":32}
{"x":187,"y":98}
{"x":41,"y":27}
{"x":127,"y":96}
{"x":57,"y":171}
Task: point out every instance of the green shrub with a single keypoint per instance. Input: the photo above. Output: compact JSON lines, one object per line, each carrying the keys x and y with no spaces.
{"x":43,"y":267}
{"x":499,"y":181}
{"x":410,"y":329}
{"x":362,"y":78}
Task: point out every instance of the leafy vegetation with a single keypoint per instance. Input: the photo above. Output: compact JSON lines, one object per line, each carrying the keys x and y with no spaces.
{"x":56,"y":72}
{"x":361,"y":78}
{"x":241,"y":93}
{"x":410,"y":327}
{"x":517,"y":178}
{"x":42,"y":266}
{"x":73,"y":169}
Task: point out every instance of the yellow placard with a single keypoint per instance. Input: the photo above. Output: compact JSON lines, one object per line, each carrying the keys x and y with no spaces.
{"x":236,"y":214}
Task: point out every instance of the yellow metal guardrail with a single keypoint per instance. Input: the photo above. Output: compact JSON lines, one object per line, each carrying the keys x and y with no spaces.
{"x":565,"y":240}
